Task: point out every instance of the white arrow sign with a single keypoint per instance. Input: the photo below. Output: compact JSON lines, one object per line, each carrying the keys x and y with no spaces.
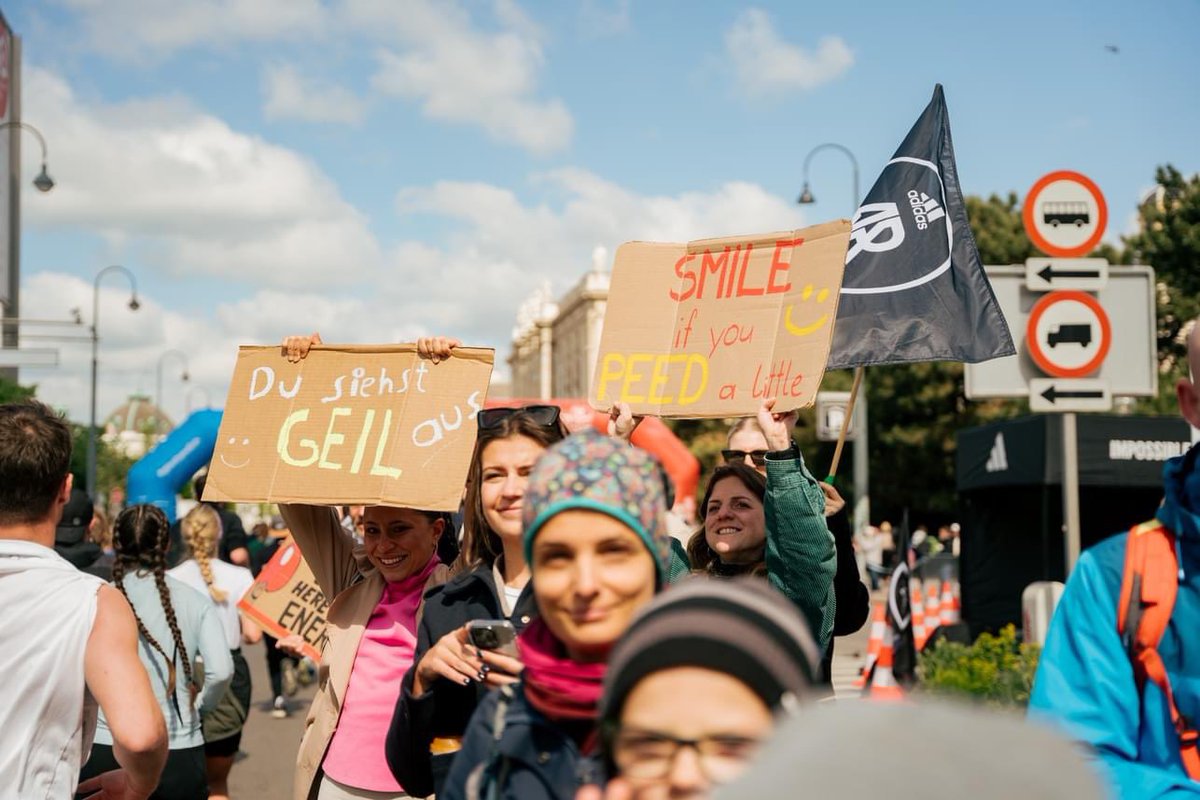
{"x":1066,"y":394}
{"x":1049,"y":274}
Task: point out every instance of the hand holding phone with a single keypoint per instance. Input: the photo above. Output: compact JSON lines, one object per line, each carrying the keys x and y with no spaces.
{"x":498,"y":635}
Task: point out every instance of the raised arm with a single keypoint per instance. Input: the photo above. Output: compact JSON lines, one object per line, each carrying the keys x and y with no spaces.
{"x":116,"y":678}
{"x":800,"y":555}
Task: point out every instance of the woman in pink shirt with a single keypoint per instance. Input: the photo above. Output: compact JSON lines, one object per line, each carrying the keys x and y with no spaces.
{"x":374,"y":592}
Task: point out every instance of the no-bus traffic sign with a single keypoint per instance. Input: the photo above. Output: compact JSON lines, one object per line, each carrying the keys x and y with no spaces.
{"x":1065,"y":214}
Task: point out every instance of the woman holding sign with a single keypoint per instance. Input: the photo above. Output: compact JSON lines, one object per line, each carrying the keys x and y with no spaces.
{"x":774,"y":528}
{"x":595,"y":539}
{"x":375,"y":593}
{"x":451,"y":674}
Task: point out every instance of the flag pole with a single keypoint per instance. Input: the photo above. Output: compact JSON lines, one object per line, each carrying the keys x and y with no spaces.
{"x":837,"y":453}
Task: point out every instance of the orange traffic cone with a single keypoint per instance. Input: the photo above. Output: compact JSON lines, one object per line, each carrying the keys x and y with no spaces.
{"x":933,"y":609}
{"x":918,"y":615}
{"x":874,"y":643}
{"x":948,"y":613}
{"x":883,"y":685}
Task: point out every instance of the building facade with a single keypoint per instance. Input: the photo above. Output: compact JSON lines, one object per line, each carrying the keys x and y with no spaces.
{"x":555,"y":343}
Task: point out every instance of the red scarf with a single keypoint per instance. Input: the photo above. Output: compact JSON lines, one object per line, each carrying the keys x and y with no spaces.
{"x":560,"y":688}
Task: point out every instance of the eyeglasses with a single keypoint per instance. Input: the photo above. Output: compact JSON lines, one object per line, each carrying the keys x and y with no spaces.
{"x":545,"y":416}
{"x":643,"y":755}
{"x":757,"y":457}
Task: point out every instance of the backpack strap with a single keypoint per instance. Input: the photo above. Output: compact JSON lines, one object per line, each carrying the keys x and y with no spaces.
{"x":488,"y":778}
{"x":1149,"y":585}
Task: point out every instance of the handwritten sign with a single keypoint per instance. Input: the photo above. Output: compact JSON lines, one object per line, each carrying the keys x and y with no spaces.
{"x":354,"y":425}
{"x":285,"y":599}
{"x":712,"y":327}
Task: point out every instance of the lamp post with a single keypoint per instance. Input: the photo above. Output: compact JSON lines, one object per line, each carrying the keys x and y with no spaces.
{"x":133,"y":306}
{"x":183,"y":376}
{"x":10,"y":294}
{"x":862,"y":499}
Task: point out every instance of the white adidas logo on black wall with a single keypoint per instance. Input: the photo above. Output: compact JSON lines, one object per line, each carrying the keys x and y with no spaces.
{"x":998,"y":458}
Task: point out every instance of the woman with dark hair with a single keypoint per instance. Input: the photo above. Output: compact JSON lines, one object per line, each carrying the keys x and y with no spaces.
{"x":595,"y":539}
{"x":450,"y":676}
{"x":375,"y":593}
{"x":773,"y":527}
{"x":175,"y":625}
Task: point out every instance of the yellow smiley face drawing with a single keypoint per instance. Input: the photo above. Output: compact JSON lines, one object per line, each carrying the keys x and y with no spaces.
{"x":804,"y":330}
{"x":228,"y":458}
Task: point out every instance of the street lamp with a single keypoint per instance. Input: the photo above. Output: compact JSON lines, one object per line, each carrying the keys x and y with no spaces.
{"x":134,"y":305}
{"x":43,"y":182}
{"x":183,"y":376}
{"x":862,"y":499}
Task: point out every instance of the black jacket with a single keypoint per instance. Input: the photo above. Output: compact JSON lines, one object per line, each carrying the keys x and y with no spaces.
{"x":445,"y":709}
{"x":853,"y":597}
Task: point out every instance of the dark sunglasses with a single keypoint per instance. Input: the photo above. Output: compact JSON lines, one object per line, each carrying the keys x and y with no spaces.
{"x":545,"y":416}
{"x":757,"y":457}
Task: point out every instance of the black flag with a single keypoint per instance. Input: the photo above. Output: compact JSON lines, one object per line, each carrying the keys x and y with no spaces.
{"x":914,"y":287}
{"x":904,"y":650}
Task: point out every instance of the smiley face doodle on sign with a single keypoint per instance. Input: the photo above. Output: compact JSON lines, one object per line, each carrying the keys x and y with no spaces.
{"x":233,"y":442}
{"x":812,"y":327}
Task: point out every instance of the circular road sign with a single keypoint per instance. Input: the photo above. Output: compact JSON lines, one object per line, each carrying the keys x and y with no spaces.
{"x":1065,"y":214}
{"x":1068,"y":334}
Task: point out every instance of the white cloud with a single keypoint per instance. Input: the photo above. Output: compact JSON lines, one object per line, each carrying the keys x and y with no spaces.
{"x":604,"y":17}
{"x":134,"y":29}
{"x":764,"y":63}
{"x":164,"y":176}
{"x":461,"y":73}
{"x":290,"y":95}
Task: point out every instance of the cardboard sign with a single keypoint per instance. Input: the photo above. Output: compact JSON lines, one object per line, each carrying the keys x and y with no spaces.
{"x":353,"y":425}
{"x":285,"y":599}
{"x":712,"y":327}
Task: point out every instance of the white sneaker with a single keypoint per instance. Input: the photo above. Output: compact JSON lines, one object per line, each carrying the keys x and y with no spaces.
{"x":280,"y":710}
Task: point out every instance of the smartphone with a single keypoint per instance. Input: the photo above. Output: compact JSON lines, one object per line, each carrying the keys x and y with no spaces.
{"x":493,"y":634}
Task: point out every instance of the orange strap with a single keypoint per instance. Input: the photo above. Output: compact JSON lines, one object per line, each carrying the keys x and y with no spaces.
{"x":1148,"y":588}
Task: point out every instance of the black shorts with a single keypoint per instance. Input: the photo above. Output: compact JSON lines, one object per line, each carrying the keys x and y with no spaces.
{"x":185,"y":776}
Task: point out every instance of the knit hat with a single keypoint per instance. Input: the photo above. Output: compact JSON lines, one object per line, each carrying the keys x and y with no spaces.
{"x":740,"y":627}
{"x":594,"y":472}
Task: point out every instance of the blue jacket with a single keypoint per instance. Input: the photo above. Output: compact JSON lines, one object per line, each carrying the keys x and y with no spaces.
{"x":1085,"y":682}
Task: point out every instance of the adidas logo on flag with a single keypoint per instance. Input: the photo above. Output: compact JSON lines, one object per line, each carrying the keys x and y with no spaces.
{"x":925,"y":209}
{"x":998,"y":459}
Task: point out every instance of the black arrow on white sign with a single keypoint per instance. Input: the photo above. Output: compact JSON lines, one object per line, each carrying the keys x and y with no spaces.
{"x":1053,"y":394}
{"x":1048,"y":273}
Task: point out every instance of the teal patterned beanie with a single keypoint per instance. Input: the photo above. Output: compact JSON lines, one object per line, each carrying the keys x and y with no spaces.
{"x":594,"y":472}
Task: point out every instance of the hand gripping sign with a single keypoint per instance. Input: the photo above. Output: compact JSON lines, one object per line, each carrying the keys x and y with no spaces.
{"x":285,"y":599}
{"x":713,"y":327}
{"x":354,"y":425}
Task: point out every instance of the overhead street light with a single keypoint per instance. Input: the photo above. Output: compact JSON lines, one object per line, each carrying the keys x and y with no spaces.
{"x":43,"y":182}
{"x":862,"y":499}
{"x":134,"y":305}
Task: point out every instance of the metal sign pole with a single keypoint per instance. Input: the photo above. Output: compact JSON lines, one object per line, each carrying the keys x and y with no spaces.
{"x":1070,"y":489}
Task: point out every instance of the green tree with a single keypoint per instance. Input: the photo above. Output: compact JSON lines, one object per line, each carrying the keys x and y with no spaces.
{"x":998,"y":229}
{"x":11,"y":391}
{"x":1169,"y":241}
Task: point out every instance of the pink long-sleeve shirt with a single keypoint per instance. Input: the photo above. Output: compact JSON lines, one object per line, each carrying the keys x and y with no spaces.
{"x":356,"y":754}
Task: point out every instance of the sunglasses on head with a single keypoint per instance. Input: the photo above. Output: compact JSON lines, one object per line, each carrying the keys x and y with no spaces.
{"x":545,"y":416}
{"x":757,"y":457}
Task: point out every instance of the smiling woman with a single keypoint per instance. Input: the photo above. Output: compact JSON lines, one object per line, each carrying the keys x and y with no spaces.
{"x":594,"y":521}
{"x":375,"y":593}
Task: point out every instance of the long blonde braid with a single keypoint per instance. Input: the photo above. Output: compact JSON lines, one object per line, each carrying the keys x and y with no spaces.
{"x":201,"y":529}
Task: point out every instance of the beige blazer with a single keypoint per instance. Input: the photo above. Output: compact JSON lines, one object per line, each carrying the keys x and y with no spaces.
{"x":345,"y":575}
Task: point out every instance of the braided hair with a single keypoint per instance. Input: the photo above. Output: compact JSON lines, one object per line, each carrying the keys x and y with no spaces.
{"x":201,"y":529}
{"x":140,"y":538}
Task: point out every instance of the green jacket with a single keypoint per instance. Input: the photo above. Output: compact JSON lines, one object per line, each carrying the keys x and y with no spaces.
{"x":801,"y":558}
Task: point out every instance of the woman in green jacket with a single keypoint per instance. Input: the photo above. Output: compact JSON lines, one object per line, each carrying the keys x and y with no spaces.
{"x":774,"y":528}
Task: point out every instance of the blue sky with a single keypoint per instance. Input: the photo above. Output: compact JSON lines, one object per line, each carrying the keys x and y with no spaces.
{"x":379,"y":169}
